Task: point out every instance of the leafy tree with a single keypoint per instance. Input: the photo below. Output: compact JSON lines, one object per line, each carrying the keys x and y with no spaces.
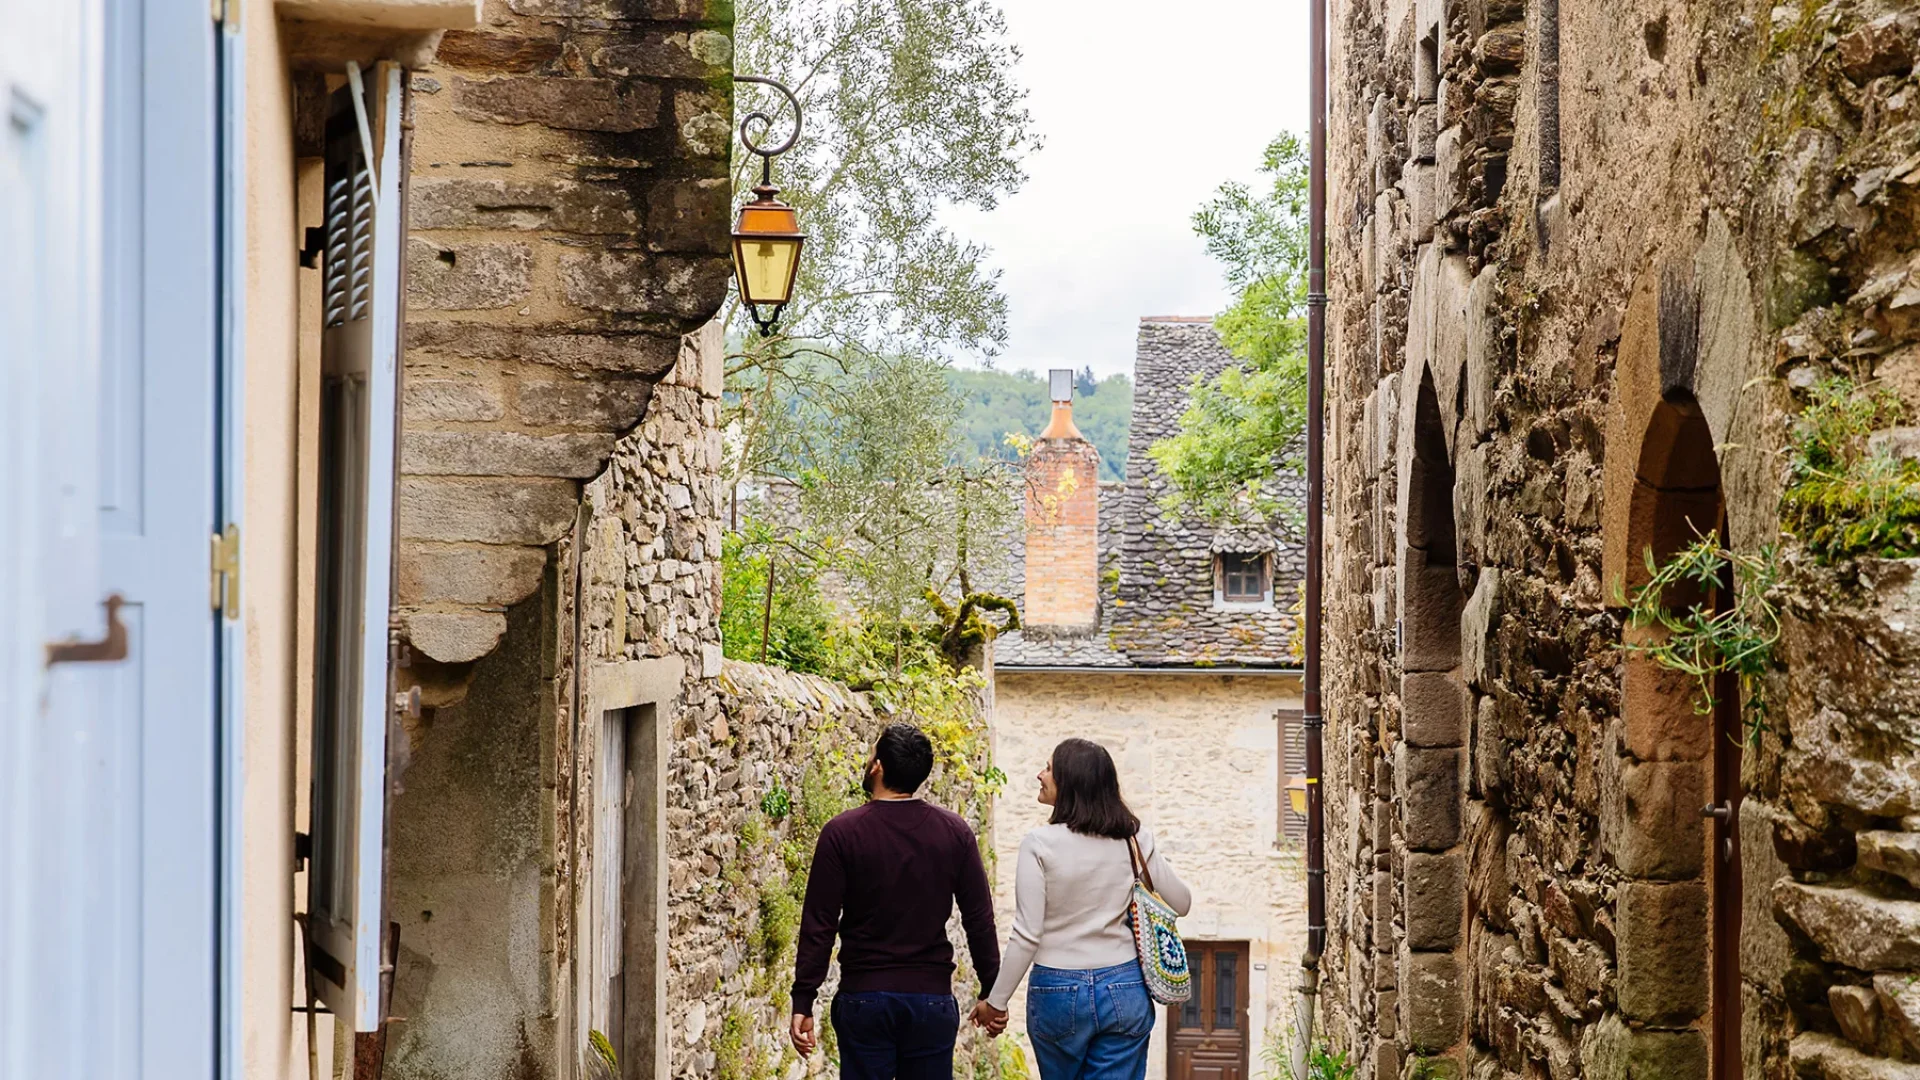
{"x":908,"y":105}
{"x":890,"y":499}
{"x":1242,"y":425}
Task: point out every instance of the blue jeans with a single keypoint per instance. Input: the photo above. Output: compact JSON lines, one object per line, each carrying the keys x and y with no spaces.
{"x":1089,"y":1025}
{"x":884,"y":1035}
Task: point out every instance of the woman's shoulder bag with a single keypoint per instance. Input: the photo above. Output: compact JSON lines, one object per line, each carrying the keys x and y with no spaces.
{"x":1163,"y":955}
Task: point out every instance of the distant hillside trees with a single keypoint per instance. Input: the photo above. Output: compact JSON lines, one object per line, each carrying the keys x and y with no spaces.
{"x":1002,"y":402}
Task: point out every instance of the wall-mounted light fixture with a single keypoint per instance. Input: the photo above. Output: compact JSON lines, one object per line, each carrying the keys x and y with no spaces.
{"x":766,"y":235}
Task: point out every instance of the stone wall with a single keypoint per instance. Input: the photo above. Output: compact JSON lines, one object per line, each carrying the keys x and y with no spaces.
{"x":1586,"y":261}
{"x":1200,"y":760}
{"x":568,"y":215}
{"x":495,"y":882}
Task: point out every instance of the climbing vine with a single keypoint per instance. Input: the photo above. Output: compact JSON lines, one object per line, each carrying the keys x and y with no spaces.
{"x":1698,"y":641}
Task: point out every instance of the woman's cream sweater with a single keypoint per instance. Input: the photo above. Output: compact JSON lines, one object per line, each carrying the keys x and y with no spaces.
{"x":1070,"y":894}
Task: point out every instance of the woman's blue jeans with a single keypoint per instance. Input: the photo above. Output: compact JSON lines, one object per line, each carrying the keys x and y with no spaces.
{"x":1089,"y":1025}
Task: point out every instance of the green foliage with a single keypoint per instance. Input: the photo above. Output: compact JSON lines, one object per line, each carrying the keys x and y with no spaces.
{"x":603,"y":1051}
{"x":730,"y":1051}
{"x":1841,"y":499}
{"x":1000,"y":403}
{"x":1683,"y":632}
{"x":777,"y":803}
{"x":909,"y":104}
{"x":1243,"y":424}
{"x":779,"y":922}
{"x":799,"y":634}
{"x":1323,"y":1061}
{"x":829,"y":785}
{"x":753,"y":832}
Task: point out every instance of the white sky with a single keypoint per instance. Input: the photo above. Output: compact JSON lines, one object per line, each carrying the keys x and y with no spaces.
{"x":1146,"y":106}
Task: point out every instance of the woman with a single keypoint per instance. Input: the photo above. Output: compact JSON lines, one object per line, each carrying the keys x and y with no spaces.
{"x":1088,"y":1013}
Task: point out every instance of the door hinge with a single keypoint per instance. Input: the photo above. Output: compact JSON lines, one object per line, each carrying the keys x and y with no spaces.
{"x":226,"y":13}
{"x":224,"y":572}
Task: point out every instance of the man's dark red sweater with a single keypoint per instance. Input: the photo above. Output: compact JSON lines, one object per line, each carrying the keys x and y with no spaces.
{"x":885,"y":878}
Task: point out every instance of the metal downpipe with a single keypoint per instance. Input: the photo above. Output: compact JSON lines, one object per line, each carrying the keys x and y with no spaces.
{"x":1313,"y":722}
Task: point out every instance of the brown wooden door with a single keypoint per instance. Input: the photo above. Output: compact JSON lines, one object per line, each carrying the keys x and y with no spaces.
{"x":1207,"y":1035}
{"x":1729,"y":739}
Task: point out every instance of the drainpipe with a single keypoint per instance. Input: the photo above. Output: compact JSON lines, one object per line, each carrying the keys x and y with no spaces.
{"x":1312,"y":721}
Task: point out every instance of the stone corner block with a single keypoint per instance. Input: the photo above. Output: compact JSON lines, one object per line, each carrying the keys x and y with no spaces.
{"x":489,"y":575}
{"x":467,"y":276}
{"x":1429,"y":787}
{"x":1610,"y":1050}
{"x":1433,"y":999}
{"x":455,"y":637}
{"x":1650,"y":819}
{"x":1435,"y":901}
{"x":489,"y":511}
{"x":1661,"y":936}
{"x":1433,"y":709}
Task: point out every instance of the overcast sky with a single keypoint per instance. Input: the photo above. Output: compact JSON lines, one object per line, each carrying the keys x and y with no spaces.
{"x":1146,"y":106}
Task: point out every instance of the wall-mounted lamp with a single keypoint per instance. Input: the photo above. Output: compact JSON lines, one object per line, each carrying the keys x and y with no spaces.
{"x":766,"y":235}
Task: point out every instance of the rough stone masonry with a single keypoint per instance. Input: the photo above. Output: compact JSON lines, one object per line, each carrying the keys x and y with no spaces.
{"x":1588,"y":263}
{"x":568,"y":224}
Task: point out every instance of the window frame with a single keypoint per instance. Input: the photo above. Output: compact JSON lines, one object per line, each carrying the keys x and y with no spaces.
{"x":1261,"y":571}
{"x":349,"y":946}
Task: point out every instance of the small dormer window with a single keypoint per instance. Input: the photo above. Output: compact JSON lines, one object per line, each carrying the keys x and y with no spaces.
{"x":1243,"y":577}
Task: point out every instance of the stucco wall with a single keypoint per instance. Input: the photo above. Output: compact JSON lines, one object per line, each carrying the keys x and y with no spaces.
{"x":1199,"y":760}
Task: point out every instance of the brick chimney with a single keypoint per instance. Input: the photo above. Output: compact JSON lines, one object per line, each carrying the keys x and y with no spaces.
{"x":1063,"y":520}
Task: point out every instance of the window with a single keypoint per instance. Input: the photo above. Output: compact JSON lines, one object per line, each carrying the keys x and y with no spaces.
{"x":1243,"y":578}
{"x":1293,"y":763}
{"x":354,"y":462}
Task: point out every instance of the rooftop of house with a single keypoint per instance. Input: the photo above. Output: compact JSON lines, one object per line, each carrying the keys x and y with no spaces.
{"x":1158,"y":606}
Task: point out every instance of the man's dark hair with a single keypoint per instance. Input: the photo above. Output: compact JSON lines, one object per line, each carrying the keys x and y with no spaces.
{"x":906,"y":757}
{"x":1087,"y":792}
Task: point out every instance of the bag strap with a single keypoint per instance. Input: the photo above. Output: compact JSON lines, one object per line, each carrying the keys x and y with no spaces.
{"x":1140,"y":872}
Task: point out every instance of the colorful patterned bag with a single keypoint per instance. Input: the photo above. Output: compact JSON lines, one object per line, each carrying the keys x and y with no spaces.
{"x":1163,"y":956}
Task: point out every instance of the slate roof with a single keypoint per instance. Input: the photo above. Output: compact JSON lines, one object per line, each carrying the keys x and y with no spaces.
{"x":1156,"y":597}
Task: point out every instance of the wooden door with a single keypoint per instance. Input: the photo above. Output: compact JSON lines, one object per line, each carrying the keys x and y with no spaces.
{"x":1723,"y":863}
{"x":1207,"y":1035}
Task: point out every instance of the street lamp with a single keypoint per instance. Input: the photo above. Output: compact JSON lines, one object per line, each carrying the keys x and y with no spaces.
{"x":766,"y":235}
{"x":1297,"y":795}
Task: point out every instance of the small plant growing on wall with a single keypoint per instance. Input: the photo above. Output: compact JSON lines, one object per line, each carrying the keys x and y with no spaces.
{"x":1703,"y":643}
{"x":1844,"y":496}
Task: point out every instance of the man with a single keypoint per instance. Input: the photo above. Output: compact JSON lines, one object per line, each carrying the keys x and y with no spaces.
{"x":885,"y":878}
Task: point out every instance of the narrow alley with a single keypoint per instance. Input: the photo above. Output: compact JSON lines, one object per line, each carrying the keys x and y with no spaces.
{"x":482,"y":475}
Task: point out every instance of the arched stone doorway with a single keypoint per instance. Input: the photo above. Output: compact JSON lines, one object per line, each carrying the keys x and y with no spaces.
{"x":1679,"y":770}
{"x":1429,"y":758}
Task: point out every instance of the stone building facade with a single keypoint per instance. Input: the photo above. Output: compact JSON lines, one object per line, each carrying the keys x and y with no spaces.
{"x":1195,"y":693}
{"x":1589,"y":266}
{"x":576,"y":790}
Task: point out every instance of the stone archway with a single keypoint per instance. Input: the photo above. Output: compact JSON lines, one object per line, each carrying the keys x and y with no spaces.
{"x":1429,"y":758}
{"x":1679,"y":905}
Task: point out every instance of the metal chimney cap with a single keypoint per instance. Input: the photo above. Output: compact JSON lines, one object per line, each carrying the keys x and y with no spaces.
{"x":1061,"y":380}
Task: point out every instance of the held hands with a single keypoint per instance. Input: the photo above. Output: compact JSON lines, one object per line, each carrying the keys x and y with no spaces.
{"x":800,"y":1030}
{"x":992,"y":1019}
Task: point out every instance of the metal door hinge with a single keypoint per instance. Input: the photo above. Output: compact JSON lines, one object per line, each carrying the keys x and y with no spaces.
{"x":224,"y":572}
{"x":226,"y":13}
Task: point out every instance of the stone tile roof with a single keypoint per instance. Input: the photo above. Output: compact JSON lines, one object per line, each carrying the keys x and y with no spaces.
{"x":1157,"y":607}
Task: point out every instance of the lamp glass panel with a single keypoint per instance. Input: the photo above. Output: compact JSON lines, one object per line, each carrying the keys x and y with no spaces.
{"x":766,"y":268}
